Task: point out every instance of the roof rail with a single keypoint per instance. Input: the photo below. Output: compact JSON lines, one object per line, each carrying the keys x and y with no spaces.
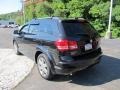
{"x":52,"y":17}
{"x":45,"y":18}
{"x":55,"y":17}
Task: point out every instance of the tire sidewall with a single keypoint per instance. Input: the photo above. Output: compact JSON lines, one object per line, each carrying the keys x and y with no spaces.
{"x":49,"y":73}
{"x":15,"y":47}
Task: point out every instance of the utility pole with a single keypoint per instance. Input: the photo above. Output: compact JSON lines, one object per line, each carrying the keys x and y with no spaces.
{"x":23,"y":10}
{"x":109,"y":33}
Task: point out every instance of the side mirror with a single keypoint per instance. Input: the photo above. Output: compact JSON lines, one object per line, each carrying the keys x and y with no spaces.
{"x":16,"y":32}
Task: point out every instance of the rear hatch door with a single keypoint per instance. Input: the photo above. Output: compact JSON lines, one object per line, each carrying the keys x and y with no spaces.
{"x":82,"y":32}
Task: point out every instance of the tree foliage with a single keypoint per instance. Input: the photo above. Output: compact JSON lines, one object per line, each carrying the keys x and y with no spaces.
{"x":96,"y":11}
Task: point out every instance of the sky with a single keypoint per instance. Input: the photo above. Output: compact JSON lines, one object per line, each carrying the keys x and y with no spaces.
{"x":7,"y":6}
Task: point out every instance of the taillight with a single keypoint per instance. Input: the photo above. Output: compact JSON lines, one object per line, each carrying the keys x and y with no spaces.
{"x":65,"y":45}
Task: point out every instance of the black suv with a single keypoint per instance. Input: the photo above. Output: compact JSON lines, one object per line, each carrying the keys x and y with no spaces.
{"x":59,"y":46}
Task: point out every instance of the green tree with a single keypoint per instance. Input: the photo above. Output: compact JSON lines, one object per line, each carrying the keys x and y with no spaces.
{"x":100,"y":16}
{"x":116,"y":13}
{"x":96,"y":11}
{"x":76,"y":8}
{"x":44,"y":9}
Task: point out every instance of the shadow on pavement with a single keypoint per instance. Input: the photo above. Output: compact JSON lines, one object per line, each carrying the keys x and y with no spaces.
{"x":106,"y":71}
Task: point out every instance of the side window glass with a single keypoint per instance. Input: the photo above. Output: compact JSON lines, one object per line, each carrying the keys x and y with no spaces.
{"x":25,"y":29}
{"x":43,"y":26}
{"x":33,"y":29}
{"x":49,"y":26}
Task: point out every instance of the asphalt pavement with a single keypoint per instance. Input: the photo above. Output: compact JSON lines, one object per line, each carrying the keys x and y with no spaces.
{"x":104,"y":76}
{"x":6,"y":37}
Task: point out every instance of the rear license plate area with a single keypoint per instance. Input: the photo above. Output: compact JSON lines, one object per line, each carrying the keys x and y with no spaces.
{"x":88,"y":46}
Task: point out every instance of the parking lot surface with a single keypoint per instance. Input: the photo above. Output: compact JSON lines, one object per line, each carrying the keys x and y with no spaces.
{"x":104,"y":76}
{"x":13,"y":68}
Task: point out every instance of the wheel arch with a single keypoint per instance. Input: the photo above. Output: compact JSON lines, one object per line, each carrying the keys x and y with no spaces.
{"x":43,"y":50}
{"x":36,"y":55}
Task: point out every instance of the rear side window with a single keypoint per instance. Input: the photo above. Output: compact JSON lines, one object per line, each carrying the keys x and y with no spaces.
{"x":49,"y":27}
{"x":34,"y":29}
{"x":74,"y":28}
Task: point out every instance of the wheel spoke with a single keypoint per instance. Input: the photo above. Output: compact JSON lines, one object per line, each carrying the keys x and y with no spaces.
{"x":43,"y":66}
{"x":45,"y":70}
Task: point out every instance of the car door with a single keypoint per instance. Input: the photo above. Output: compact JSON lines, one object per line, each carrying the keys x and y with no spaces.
{"x":21,"y":40}
{"x":31,"y":40}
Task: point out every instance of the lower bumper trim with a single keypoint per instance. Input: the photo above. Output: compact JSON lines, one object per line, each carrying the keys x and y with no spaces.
{"x":68,"y":68}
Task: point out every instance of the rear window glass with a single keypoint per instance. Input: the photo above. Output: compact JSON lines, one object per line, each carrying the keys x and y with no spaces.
{"x":77,"y":28}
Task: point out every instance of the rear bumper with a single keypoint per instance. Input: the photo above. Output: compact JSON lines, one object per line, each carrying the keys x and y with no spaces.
{"x":77,"y":65}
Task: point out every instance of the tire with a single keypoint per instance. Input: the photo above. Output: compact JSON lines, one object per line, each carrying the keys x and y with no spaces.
{"x":44,"y":67}
{"x":16,"y":50}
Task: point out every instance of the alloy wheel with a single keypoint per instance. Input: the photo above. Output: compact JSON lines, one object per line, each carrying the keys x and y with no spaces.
{"x":43,"y":68}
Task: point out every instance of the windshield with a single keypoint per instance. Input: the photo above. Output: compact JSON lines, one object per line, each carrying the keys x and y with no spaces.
{"x":77,"y":28}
